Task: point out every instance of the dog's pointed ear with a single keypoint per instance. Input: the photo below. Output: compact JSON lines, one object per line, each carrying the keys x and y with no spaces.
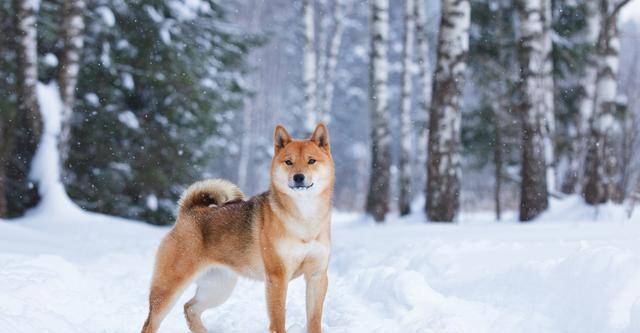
{"x":321,"y":136}
{"x":281,"y":138}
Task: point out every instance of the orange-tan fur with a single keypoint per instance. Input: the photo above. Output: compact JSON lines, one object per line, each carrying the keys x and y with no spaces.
{"x":275,"y":236}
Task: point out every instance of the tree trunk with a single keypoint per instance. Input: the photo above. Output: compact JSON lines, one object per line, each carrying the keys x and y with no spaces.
{"x":578,"y":146}
{"x":406,"y":149}
{"x":73,"y":26}
{"x":443,"y":166}
{"x":536,"y":108}
{"x":329,"y":69}
{"x":497,"y":157}
{"x":3,"y":163}
{"x":601,"y":165}
{"x":5,"y":85}
{"x":23,"y":192}
{"x":379,"y":181}
{"x":425,"y":86}
{"x":309,"y":71}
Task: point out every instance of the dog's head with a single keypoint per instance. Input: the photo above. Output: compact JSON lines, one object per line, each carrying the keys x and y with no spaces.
{"x":302,"y":166}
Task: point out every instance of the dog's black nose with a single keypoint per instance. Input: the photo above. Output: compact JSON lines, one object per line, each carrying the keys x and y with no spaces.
{"x":298,"y":178}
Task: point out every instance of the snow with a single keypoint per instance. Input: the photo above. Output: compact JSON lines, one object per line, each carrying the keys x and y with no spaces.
{"x":50,"y":60}
{"x":46,"y":162}
{"x":129,"y":119}
{"x":107,"y":16}
{"x":630,"y":12}
{"x":576,"y":269}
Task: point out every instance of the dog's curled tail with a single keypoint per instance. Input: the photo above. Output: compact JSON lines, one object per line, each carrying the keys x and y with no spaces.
{"x":209,"y":193}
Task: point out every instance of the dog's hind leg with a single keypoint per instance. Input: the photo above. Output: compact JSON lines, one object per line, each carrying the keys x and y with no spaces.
{"x":214,"y":288}
{"x":175,"y":268}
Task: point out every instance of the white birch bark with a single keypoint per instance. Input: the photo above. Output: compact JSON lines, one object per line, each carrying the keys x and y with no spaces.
{"x":73,"y":30}
{"x":443,"y":166}
{"x":425,"y":85}
{"x":574,"y":174}
{"x":406,"y":149}
{"x":536,"y":89}
{"x":601,"y":166}
{"x":309,"y":70}
{"x":379,"y":181}
{"x":329,"y":69}
{"x":547,"y":78}
{"x":322,"y":50}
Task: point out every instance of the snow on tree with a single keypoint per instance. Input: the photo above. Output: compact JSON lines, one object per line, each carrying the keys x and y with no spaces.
{"x":23,"y":192}
{"x":72,"y":31}
{"x":157,"y":91}
{"x":536,"y":106}
{"x":443,"y":166}
{"x":406,"y":125}
{"x":602,"y":165}
{"x":379,"y":181}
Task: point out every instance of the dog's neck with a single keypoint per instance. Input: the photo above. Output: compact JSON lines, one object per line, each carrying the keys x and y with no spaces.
{"x":306,"y":206}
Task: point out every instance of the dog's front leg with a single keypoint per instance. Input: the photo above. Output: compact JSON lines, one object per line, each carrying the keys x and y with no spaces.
{"x":277,"y":283}
{"x":316,"y":291}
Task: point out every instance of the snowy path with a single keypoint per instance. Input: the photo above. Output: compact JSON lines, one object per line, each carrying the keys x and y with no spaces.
{"x":90,"y":273}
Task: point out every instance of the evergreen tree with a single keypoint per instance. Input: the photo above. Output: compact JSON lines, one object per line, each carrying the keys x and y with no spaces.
{"x":577,"y":26}
{"x":157,"y":80}
{"x":27,"y":123}
{"x":7,"y":99}
{"x":488,"y":133}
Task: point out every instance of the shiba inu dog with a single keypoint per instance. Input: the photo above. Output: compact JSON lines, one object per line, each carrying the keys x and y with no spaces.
{"x":276,"y":236}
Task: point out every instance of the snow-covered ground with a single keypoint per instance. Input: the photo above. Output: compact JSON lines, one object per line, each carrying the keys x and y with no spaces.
{"x":575,"y":270}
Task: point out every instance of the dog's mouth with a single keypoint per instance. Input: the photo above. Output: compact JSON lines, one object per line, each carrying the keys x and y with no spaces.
{"x":300,"y":187}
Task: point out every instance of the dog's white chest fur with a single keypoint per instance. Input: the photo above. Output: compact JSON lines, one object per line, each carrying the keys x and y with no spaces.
{"x":297,"y":251}
{"x":302,"y":245}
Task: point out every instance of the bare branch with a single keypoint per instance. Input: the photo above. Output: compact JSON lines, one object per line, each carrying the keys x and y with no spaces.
{"x":617,"y":8}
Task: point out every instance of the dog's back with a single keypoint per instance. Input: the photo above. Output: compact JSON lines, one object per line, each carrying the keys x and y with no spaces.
{"x":215,"y":213}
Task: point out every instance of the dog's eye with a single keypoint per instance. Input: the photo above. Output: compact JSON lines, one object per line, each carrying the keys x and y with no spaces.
{"x":311,"y":161}
{"x":288,"y":162}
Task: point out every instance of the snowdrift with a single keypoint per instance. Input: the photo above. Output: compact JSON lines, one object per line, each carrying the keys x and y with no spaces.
{"x":576,"y":269}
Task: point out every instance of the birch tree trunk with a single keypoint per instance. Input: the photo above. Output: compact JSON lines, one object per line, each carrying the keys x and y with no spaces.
{"x":29,"y":118}
{"x":497,"y":160}
{"x":329,"y":69}
{"x":73,"y":27}
{"x":406,"y":149}
{"x":378,"y":195}
{"x":425,"y":86}
{"x":309,"y":71}
{"x":601,"y":163}
{"x":574,"y":173}
{"x":536,"y":108}
{"x":443,"y":166}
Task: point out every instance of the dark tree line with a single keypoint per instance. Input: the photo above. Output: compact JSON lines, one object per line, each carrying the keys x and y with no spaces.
{"x":145,"y":89}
